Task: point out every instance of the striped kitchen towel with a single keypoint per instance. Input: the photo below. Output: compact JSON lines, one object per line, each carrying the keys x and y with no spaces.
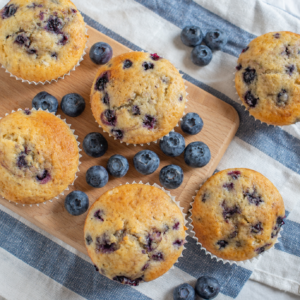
{"x":35,"y":265}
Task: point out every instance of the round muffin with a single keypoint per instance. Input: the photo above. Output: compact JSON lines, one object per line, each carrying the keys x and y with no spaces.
{"x":138,"y":97}
{"x":267,"y":78}
{"x":39,"y":156}
{"x":237,"y":214}
{"x":134,"y":233}
{"x":41,"y":40}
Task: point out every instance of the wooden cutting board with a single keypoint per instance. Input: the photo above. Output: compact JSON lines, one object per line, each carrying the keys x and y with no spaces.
{"x":221,"y":122}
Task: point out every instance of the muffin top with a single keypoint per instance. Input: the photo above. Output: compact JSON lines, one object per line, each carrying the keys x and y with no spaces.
{"x":267,"y":78}
{"x":138,"y":97}
{"x":39,"y":156}
{"x":237,"y":214}
{"x":41,"y":40}
{"x":134,"y":233}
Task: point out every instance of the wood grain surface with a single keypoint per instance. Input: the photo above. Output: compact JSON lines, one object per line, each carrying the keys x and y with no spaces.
{"x":220,"y":125}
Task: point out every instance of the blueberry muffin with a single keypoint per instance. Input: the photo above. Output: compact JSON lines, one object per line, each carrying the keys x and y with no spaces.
{"x":237,"y":214}
{"x":267,"y":78}
{"x":41,"y":40}
{"x":134,"y":233}
{"x":138,"y":97}
{"x":39,"y":156}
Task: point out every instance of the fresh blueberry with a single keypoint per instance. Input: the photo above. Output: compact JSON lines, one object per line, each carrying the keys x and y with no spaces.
{"x":96,"y":176}
{"x":117,"y":166}
{"x":9,"y":10}
{"x":228,"y":212}
{"x":105,"y":245}
{"x":77,"y":203}
{"x":64,"y":39}
{"x":148,"y":65}
{"x":201,"y":55}
{"x":197,"y":155}
{"x":108,"y":117}
{"x":250,"y":99}
{"x":290,"y":69}
{"x":22,"y":40}
{"x":72,"y":105}
{"x":54,"y":24}
{"x":128,"y":281}
{"x":149,"y":122}
{"x":101,"y":53}
{"x":207,"y":287}
{"x":216,"y":40}
{"x":191,"y":36}
{"x":172,"y":145}
{"x":282,"y":98}
{"x":45,"y":101}
{"x":118,"y":134}
{"x":191,"y":123}
{"x":238,"y":67}
{"x":127,"y":64}
{"x":249,"y":75}
{"x":135,"y":110}
{"x":171,"y":176}
{"x":95,"y":144}
{"x":222,"y":244}
{"x":102,"y":81}
{"x":44,"y":177}
{"x":146,"y":162}
{"x":253,"y":197}
{"x":184,"y":292}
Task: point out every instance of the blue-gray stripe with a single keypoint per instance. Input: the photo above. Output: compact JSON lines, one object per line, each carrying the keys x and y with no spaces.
{"x":289,"y":241}
{"x":187,"y":12}
{"x":58,"y":263}
{"x":195,"y":262}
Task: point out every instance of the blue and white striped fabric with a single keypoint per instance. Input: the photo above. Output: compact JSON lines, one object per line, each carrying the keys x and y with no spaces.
{"x":35,"y":265}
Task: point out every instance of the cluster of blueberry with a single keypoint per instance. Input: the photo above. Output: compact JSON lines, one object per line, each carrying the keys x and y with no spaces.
{"x":196,"y":154}
{"x":192,"y":36}
{"x":146,"y":162}
{"x":72,"y":104}
{"x":206,"y":287}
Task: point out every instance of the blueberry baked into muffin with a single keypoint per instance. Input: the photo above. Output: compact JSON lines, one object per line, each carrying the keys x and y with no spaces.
{"x":39,"y":156}
{"x":134,"y":233}
{"x":41,"y":40}
{"x":237,"y":214}
{"x":138,"y":97}
{"x":267,"y":78}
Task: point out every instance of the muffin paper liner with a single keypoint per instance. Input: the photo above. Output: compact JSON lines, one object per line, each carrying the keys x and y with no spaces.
{"x":245,"y":108}
{"x":212,"y":256}
{"x":79,"y":163}
{"x":61,"y":77}
{"x":155,"y":142}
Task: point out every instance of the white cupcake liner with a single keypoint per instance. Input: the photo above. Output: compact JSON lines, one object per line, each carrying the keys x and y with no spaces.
{"x":212,"y":256}
{"x":79,"y":162}
{"x":177,"y":125}
{"x":61,"y":77}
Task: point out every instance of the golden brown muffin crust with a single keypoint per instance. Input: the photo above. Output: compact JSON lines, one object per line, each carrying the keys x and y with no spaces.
{"x":237,"y":214}
{"x":267,"y":78}
{"x":134,"y":233}
{"x":39,"y":156}
{"x":138,"y":97}
{"x":41,"y":40}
